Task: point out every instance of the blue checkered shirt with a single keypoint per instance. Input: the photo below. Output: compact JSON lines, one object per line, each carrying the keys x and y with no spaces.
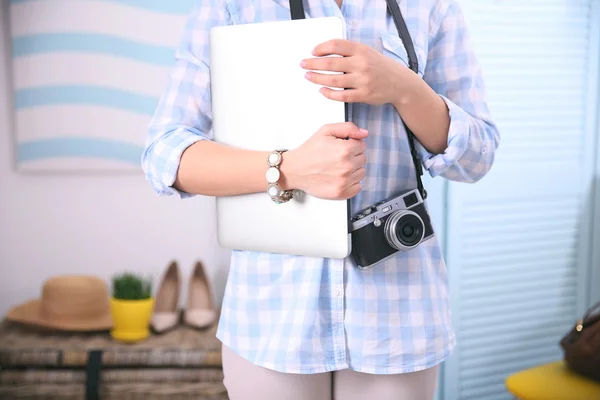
{"x":310,"y":315}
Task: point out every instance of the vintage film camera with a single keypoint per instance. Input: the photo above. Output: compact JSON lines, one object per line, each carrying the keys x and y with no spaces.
{"x":395,"y":224}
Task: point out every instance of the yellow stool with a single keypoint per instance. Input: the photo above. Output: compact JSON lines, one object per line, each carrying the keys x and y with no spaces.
{"x":552,"y":382}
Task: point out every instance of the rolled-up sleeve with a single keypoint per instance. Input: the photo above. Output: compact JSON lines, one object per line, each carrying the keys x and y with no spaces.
{"x":183,"y":115}
{"x":453,"y":72}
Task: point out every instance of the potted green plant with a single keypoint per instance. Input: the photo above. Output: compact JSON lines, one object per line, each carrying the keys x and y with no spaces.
{"x":131,"y":307}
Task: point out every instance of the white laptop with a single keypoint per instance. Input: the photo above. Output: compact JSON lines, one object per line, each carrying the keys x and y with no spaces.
{"x":261,"y":101}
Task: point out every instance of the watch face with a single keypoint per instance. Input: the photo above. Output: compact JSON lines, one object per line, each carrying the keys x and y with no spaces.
{"x":272,"y":175}
{"x":274,"y":159}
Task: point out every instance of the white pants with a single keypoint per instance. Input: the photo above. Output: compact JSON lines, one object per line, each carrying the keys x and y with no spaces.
{"x":246,"y":381}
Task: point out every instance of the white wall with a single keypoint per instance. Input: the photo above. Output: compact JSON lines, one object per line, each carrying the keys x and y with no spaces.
{"x":100,"y":225}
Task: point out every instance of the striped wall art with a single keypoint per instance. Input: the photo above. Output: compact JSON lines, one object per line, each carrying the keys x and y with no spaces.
{"x":87,"y":77}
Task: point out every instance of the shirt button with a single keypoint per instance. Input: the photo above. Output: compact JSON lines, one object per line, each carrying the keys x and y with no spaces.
{"x":339,"y":292}
{"x":353,"y":24}
{"x":484,"y":150}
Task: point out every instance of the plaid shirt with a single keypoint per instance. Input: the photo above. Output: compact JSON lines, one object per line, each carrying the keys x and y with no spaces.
{"x":309,"y":315}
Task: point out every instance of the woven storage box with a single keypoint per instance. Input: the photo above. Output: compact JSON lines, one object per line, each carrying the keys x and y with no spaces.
{"x":180,"y":364}
{"x":129,"y":391}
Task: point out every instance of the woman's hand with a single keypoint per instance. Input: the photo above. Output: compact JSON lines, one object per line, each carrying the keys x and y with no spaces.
{"x":370,"y":76}
{"x":327,"y":166}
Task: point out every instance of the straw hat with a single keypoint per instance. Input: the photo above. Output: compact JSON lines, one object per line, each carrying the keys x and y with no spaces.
{"x":68,"y":303}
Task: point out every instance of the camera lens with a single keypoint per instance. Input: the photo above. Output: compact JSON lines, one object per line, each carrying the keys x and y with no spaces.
{"x":409,"y":230}
{"x":404,"y":230}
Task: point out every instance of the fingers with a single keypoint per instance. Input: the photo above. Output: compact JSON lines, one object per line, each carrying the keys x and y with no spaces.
{"x":354,"y":150}
{"x":341,"y":81}
{"x":345,"y":96}
{"x":349,"y":188}
{"x":334,"y":64}
{"x":355,"y":186}
{"x":340,"y":47}
{"x":361,"y":158}
{"x":352,"y":191}
{"x":346,"y":130}
{"x":353,"y":170}
{"x":358,"y":175}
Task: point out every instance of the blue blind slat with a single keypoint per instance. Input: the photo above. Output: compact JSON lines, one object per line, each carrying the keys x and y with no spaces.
{"x":513,"y":240}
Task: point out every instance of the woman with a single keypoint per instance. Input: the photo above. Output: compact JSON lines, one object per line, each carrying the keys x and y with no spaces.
{"x":306,"y":328}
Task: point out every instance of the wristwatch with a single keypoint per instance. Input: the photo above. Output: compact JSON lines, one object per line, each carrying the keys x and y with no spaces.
{"x":273,"y":174}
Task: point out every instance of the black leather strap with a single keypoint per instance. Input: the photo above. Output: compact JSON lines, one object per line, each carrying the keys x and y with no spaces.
{"x":413,"y":64}
{"x":297,"y":12}
{"x":94,"y":365}
{"x":297,"y":9}
{"x":413,"y":61}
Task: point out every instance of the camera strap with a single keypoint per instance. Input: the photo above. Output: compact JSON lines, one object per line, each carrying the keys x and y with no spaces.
{"x":297,"y":9}
{"x":297,"y":12}
{"x":413,"y":64}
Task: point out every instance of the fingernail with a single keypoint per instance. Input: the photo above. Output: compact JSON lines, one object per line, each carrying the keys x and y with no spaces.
{"x":303,"y":64}
{"x":363,"y":130}
{"x":307,"y":75}
{"x":314,"y":52}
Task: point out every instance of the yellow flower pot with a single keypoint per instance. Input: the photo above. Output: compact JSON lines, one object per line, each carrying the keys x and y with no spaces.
{"x":131,"y":319}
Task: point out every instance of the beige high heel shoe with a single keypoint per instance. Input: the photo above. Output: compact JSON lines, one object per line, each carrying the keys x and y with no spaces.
{"x":166,"y":306}
{"x":200,"y":311}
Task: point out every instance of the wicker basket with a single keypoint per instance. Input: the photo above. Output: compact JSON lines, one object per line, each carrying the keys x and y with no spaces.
{"x":128,"y":391}
{"x":181,"y":347}
{"x":18,"y":377}
{"x":39,"y":364}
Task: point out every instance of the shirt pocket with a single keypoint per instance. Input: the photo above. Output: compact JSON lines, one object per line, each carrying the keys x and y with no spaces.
{"x":394,"y":47}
